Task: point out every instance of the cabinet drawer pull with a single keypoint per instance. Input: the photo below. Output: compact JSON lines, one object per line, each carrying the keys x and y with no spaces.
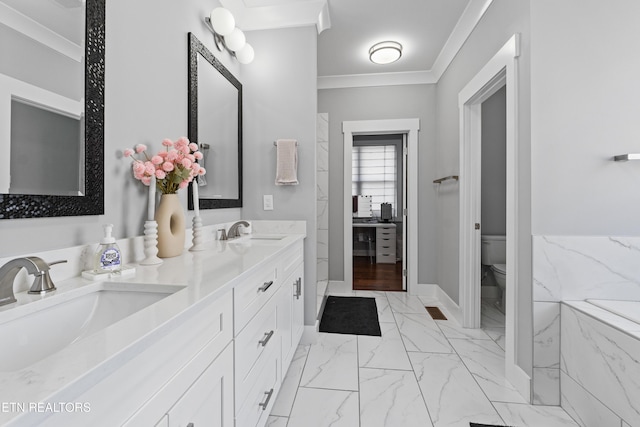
{"x":267,"y":337}
{"x":266,"y":401}
{"x":299,"y":288}
{"x":265,"y":286}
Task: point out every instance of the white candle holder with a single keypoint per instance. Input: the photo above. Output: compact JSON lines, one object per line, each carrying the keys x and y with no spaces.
{"x":151,"y":244}
{"x":198,"y":235}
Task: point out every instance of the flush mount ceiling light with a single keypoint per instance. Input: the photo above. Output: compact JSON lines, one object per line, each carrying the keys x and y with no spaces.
{"x":226,"y":35}
{"x":385,"y":52}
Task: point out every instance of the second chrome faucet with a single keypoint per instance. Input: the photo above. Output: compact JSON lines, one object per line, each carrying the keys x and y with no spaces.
{"x":234,"y":230}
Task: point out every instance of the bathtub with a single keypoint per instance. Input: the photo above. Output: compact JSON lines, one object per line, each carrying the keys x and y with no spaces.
{"x":600,"y":361}
{"x":628,"y":309}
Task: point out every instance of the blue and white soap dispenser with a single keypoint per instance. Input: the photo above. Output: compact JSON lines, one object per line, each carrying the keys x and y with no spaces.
{"x":108,"y":257}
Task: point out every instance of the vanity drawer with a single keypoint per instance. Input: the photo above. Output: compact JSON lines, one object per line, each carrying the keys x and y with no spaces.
{"x":386,"y":232}
{"x":253,"y":344}
{"x":260,"y":398}
{"x":252,"y":294}
{"x":385,"y":245}
{"x":291,"y":259}
{"x":385,"y":258}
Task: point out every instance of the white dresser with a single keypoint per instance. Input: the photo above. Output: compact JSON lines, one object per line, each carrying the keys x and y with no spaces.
{"x":386,"y":244}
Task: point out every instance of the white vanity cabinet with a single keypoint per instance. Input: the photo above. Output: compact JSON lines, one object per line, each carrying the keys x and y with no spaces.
{"x":291,"y":312}
{"x":218,"y":358}
{"x":206,"y":402}
{"x":266,"y":334}
{"x":201,"y":391}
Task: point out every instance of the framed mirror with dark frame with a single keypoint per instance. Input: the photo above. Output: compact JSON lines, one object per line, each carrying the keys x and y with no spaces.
{"x":215,"y":124}
{"x":35,"y":106}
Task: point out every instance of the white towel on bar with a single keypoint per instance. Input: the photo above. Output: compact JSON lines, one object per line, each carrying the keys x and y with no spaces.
{"x":287,"y":162}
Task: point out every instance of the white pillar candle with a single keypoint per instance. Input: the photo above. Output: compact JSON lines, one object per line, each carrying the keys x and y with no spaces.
{"x":151,"y":208}
{"x":196,"y":201}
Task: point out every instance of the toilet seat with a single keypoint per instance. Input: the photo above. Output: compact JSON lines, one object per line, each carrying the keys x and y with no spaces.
{"x":500,"y":268}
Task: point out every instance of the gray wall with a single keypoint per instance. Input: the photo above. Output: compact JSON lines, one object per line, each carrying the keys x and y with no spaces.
{"x":502,"y":19}
{"x":145,"y":102}
{"x":45,"y":151}
{"x":584,"y":110}
{"x":30,"y":61}
{"x":494,"y":164}
{"x":378,"y":103}
{"x":280,"y":102}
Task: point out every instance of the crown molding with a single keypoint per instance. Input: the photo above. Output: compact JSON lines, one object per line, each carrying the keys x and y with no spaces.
{"x":32,"y":29}
{"x":376,"y":79}
{"x":299,"y":13}
{"x":468,"y":21}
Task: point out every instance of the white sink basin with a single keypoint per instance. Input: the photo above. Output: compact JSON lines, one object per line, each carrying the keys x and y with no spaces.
{"x":63,"y":319}
{"x":267,"y":236}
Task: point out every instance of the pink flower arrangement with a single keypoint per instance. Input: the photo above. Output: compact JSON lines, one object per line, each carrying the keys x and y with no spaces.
{"x":172,"y":169}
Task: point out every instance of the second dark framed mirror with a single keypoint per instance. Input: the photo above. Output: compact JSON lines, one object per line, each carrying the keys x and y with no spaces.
{"x":215,"y":124}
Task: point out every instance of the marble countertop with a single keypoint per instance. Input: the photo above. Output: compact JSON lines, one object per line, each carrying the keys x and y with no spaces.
{"x":204,"y":276}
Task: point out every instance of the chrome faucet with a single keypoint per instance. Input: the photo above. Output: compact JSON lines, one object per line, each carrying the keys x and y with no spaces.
{"x":35,"y":266}
{"x":234,"y":229}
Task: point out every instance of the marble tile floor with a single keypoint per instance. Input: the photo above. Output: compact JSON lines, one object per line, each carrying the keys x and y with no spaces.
{"x":421,"y":372}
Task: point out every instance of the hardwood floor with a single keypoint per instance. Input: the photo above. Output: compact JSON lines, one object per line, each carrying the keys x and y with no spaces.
{"x":376,"y":277}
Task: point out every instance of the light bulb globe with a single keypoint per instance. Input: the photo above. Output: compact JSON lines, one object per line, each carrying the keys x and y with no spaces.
{"x":245,"y":55}
{"x":222,"y":21}
{"x":236,"y":40}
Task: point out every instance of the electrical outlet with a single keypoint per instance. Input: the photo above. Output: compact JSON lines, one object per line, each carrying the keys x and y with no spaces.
{"x":267,"y":202}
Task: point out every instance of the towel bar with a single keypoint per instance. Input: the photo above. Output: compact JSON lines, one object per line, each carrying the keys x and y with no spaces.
{"x":276,"y":144}
{"x":438,"y":181}
{"x":625,"y":157}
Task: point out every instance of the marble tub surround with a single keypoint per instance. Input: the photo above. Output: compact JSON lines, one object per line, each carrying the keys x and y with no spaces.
{"x":574,"y":268}
{"x":600,"y":366}
{"x":570,"y":268}
{"x":202,"y":277}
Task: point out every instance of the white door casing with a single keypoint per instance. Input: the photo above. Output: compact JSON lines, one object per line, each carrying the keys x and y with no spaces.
{"x":501,"y":70}
{"x":410,"y":127}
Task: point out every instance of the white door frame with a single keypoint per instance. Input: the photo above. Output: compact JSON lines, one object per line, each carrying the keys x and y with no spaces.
{"x":410,"y":127}
{"x":501,"y":70}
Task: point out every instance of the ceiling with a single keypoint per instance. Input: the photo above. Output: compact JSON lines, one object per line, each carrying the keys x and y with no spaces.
{"x":421,"y":26}
{"x":431,"y":32}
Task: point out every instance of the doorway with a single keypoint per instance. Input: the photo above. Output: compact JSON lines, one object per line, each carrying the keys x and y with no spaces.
{"x":501,"y":70}
{"x":378,"y":192}
{"x":408,"y":127}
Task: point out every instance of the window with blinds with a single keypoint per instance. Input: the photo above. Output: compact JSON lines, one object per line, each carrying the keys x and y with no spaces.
{"x":374,"y":173}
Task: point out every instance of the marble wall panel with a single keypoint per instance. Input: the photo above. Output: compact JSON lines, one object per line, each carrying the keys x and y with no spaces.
{"x":322,"y":194}
{"x":603,"y":361}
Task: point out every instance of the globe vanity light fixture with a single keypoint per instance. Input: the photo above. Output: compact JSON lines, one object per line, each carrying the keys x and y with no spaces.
{"x":226,"y":35}
{"x":385,"y":52}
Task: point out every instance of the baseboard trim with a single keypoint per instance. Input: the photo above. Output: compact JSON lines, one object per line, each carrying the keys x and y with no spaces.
{"x":310,"y":334}
{"x":424,"y":290}
{"x":435,"y":291}
{"x":520,"y":380}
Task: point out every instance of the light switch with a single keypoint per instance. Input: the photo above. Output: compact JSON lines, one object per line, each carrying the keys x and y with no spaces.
{"x":267,"y":202}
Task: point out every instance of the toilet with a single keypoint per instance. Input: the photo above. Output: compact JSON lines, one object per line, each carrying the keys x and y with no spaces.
{"x":494,"y":254}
